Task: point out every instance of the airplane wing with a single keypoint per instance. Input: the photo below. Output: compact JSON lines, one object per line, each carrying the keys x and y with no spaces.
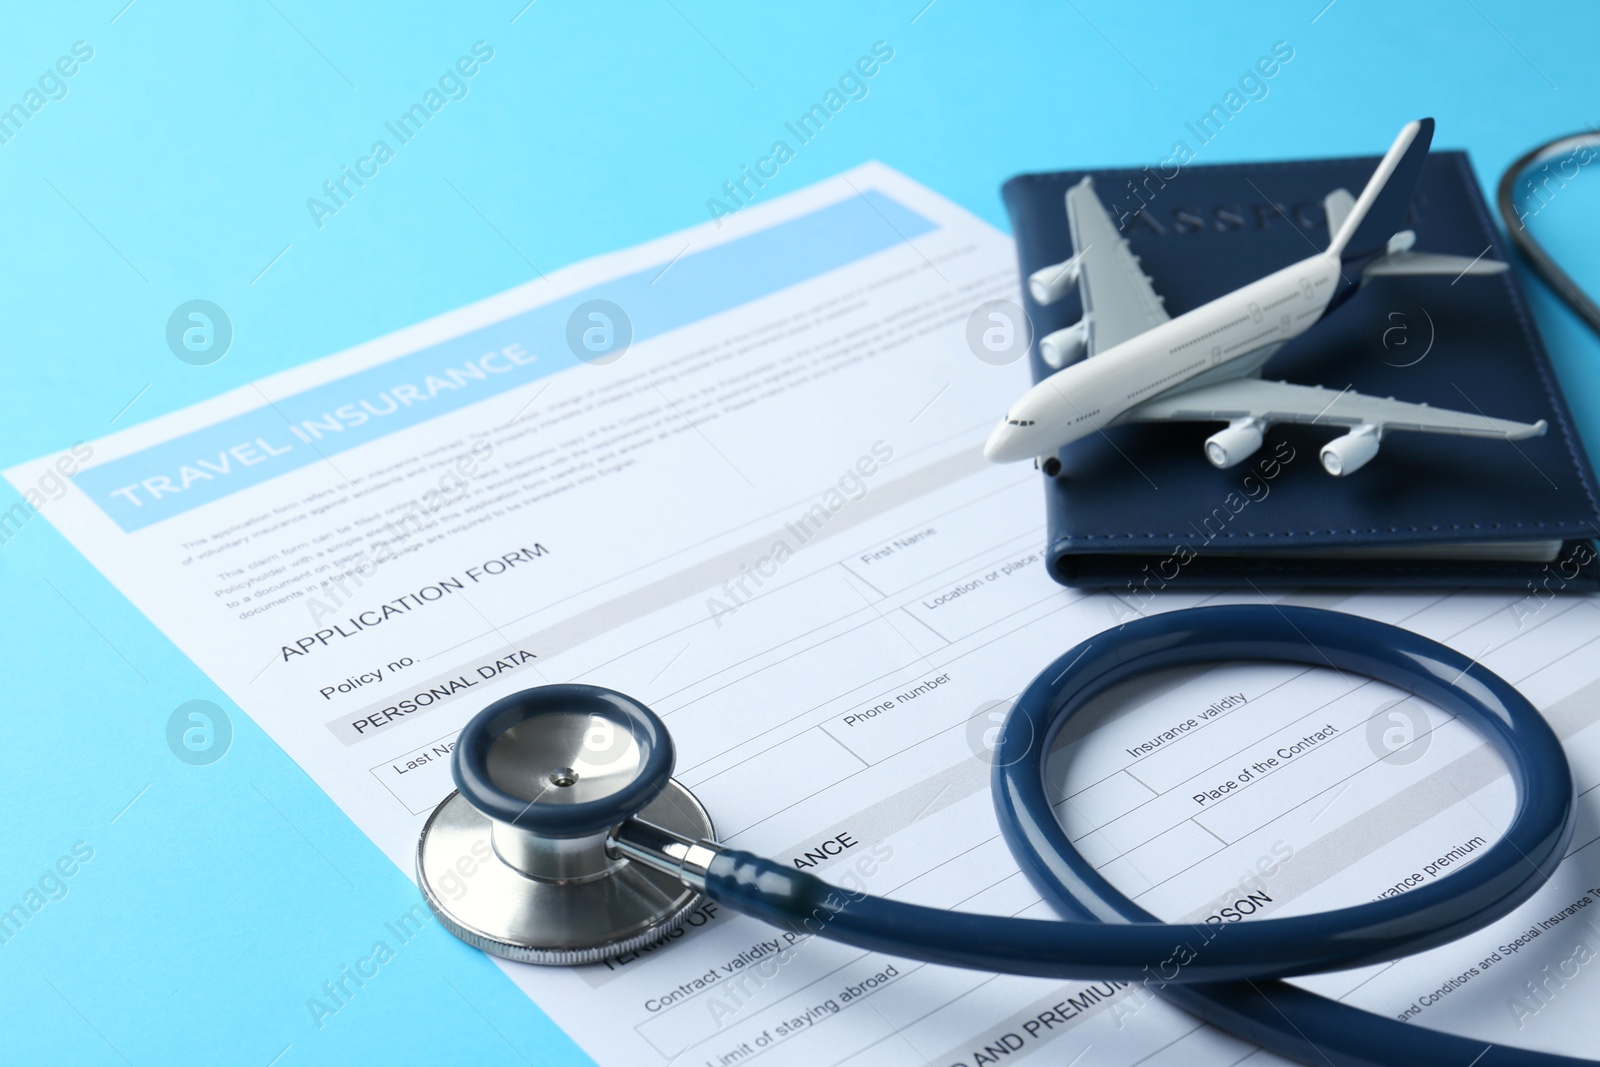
{"x":1118,"y":301}
{"x":1272,"y":402}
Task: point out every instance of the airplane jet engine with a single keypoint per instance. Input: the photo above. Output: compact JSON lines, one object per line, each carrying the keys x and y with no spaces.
{"x":1237,"y":443}
{"x":1049,"y":284}
{"x":1348,"y":454}
{"x":1062,"y":347}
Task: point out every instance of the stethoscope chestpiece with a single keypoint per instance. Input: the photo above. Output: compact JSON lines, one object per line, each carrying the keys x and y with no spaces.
{"x":520,"y":860}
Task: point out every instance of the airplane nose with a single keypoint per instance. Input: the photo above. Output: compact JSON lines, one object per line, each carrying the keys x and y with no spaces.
{"x":1001,"y":444}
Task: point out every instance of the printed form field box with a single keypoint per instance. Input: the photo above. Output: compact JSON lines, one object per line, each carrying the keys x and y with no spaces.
{"x":419,"y":779}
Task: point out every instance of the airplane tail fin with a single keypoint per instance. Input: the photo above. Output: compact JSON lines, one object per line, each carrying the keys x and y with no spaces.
{"x":1379,"y":212}
{"x":1338,"y":205}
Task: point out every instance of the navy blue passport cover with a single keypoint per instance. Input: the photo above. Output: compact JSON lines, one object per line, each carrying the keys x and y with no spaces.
{"x":1139,"y":507}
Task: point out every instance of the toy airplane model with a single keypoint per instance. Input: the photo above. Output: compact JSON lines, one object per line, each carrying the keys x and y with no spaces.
{"x":1205,"y":365}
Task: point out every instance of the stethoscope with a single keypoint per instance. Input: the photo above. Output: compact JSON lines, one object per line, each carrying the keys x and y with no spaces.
{"x":568,"y":841}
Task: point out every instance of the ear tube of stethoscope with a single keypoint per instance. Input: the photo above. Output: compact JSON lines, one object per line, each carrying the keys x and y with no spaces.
{"x":520,"y":773}
{"x":1516,"y":181}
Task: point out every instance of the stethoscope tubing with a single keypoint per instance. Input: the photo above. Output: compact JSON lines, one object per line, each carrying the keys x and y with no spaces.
{"x":1541,"y":261}
{"x":1274,"y":1014}
{"x":1225,"y":974}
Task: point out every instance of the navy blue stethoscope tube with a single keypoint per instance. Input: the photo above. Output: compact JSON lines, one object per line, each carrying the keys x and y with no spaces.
{"x":1222,"y":974}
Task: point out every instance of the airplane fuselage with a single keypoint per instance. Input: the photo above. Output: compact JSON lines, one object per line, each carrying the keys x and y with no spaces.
{"x":1219,"y":340}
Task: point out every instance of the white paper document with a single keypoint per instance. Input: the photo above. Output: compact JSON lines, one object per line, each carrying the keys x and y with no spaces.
{"x":736,"y":473}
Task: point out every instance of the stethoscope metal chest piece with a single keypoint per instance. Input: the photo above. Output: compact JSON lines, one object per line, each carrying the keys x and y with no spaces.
{"x":522,"y":860}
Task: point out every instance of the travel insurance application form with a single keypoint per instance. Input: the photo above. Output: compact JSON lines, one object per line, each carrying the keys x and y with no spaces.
{"x":736,"y":473}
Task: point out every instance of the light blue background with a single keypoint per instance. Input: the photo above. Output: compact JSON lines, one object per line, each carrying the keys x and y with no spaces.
{"x":178,"y":167}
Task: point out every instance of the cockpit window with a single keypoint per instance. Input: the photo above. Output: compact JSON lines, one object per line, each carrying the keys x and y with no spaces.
{"x":1019,"y":422}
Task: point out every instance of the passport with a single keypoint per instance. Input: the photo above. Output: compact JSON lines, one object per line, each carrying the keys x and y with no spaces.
{"x":1139,"y":509}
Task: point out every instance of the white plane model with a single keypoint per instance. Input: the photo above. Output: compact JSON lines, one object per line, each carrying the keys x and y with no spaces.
{"x":1205,"y":365}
